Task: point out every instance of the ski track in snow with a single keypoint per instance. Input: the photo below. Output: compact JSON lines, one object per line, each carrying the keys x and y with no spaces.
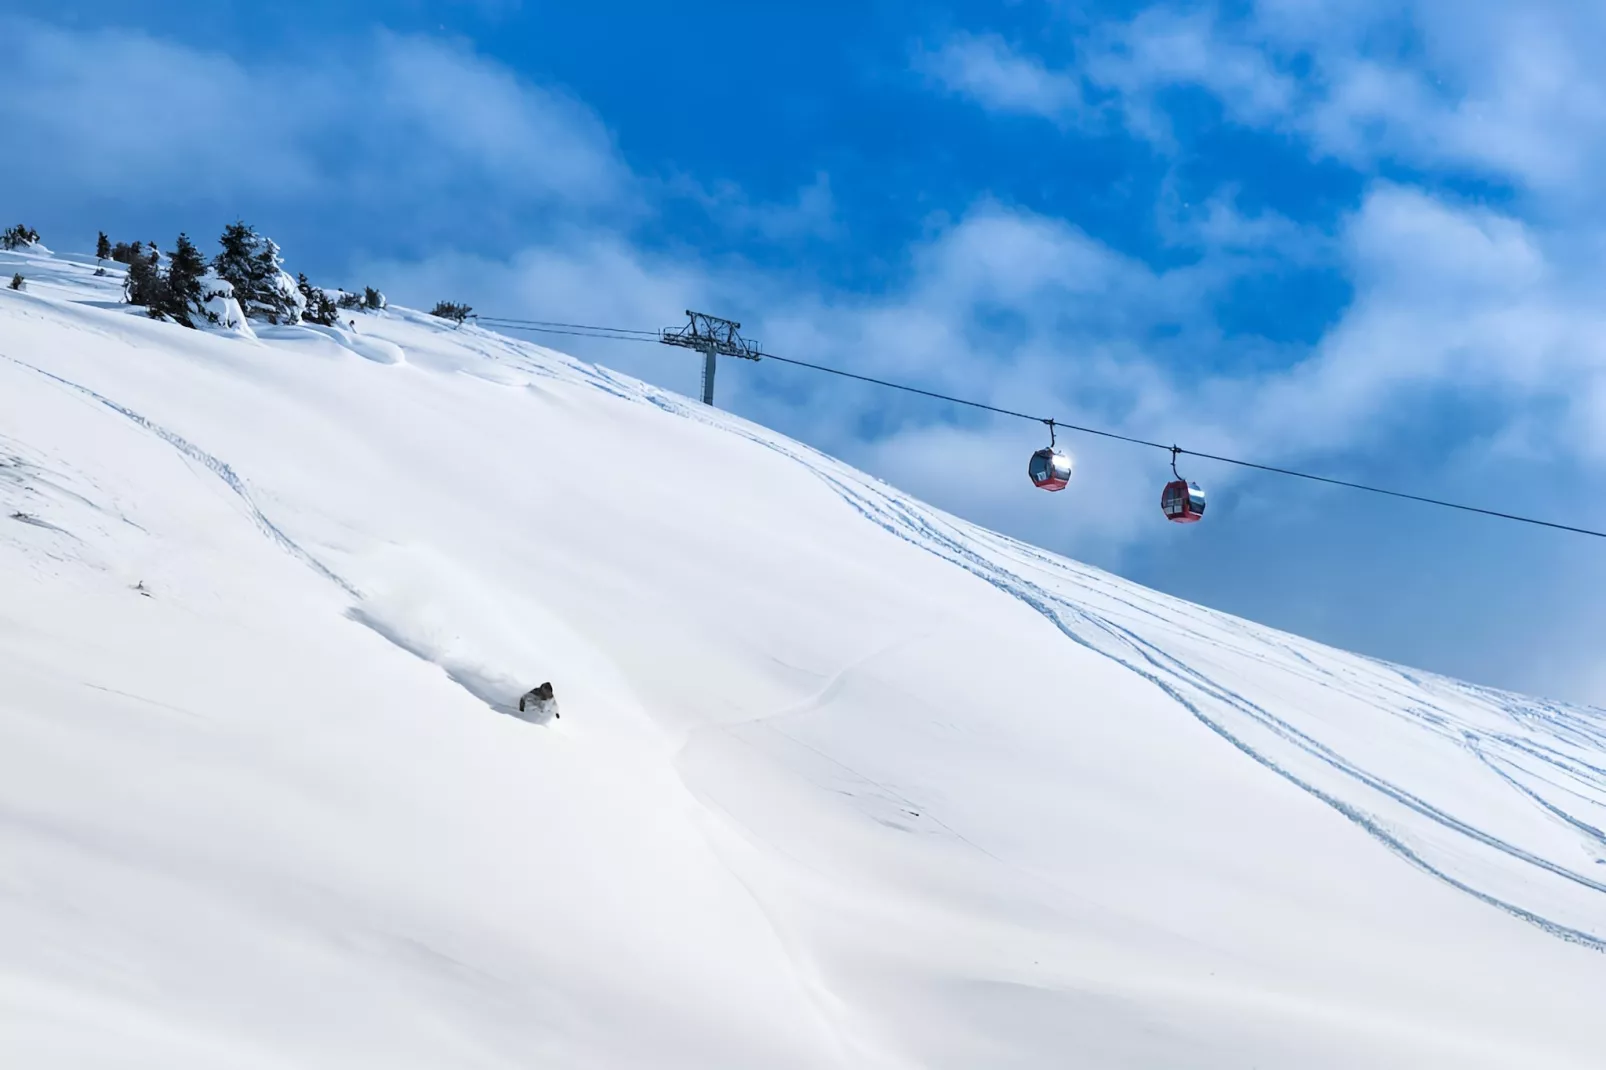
{"x":1210,"y":702}
{"x":1172,"y":676}
{"x":217,"y":467}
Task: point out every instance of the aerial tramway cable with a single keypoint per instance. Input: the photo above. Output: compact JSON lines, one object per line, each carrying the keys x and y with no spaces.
{"x":632,"y":335}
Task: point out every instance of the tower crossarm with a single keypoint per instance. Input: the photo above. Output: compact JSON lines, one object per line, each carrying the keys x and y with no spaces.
{"x":711,"y":334}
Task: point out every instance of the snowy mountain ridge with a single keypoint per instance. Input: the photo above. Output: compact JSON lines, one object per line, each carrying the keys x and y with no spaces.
{"x":841,"y":780}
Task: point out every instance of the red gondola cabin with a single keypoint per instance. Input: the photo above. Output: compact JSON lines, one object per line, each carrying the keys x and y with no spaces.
{"x":1182,"y":502}
{"x":1050,"y":470}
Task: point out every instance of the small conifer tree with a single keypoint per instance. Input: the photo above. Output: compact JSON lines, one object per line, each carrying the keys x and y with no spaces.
{"x":183,"y":299}
{"x":103,"y":247}
{"x":452,"y":310}
{"x":173,"y":292}
{"x":320,"y":309}
{"x":17,"y":280}
{"x":372,"y":299}
{"x":237,"y":264}
{"x":278,"y":299}
{"x":251,"y":264}
{"x":143,"y":285}
{"x":19,"y":237}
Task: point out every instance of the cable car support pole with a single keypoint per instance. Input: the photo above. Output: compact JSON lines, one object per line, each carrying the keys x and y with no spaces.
{"x":712,"y":337}
{"x":709,"y":356}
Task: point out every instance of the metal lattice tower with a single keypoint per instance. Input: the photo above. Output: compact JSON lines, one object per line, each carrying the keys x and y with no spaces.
{"x":712,"y":337}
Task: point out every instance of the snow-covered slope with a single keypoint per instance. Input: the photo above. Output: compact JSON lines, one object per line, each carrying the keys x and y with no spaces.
{"x":839,"y":780}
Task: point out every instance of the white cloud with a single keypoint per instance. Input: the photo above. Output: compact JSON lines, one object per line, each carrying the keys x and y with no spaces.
{"x":582,"y":276}
{"x":1508,"y":90}
{"x":392,"y":119}
{"x":120,"y":113}
{"x":811,"y":213}
{"x":445,"y":102}
{"x":1218,"y":224}
{"x":1163,"y":47}
{"x":1450,"y":302}
{"x":987,"y":69}
{"x":1512,"y":91}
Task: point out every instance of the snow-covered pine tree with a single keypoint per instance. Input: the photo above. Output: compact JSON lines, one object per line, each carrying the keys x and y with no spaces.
{"x":238,"y":263}
{"x":185,"y":298}
{"x":19,"y":237}
{"x":144,"y":284}
{"x":103,"y":247}
{"x":17,"y":280}
{"x":124,"y":253}
{"x":452,"y":310}
{"x":279,"y":299}
{"x":252,"y":266}
{"x":319,"y":309}
{"x":372,"y":299}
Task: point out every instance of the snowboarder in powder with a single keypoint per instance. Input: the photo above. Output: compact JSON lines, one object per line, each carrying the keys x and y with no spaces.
{"x":539,"y":700}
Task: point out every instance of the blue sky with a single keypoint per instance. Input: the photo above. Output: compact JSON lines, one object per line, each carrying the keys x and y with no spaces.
{"x":1352,"y":236}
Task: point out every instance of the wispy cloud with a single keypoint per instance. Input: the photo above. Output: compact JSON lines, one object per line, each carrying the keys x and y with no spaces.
{"x":1511,"y":91}
{"x":123,"y":113}
{"x":1123,"y":64}
{"x":1219,"y":223}
{"x":390,"y":122}
{"x":443,"y":102}
{"x":1452,"y":300}
{"x":1164,"y":47}
{"x":986,"y":69}
{"x":810,"y":213}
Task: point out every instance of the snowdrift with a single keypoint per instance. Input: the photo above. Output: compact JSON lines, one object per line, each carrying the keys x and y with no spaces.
{"x":840,"y":780}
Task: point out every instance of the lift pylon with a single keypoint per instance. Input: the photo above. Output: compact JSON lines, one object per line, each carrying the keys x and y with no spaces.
{"x":713,"y":337}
